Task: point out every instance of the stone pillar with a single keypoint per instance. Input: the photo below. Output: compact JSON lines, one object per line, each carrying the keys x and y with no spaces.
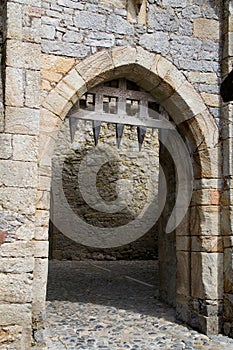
{"x":227,"y":196}
{"x":18,"y":167}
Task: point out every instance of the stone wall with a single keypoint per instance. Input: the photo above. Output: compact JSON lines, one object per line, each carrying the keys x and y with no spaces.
{"x":139,"y":168}
{"x":80,"y":42}
{"x":227,"y":169}
{"x":185,"y":32}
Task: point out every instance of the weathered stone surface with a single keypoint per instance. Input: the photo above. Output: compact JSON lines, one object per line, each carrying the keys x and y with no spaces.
{"x":205,"y":221}
{"x":88,"y":20}
{"x":25,"y":148}
{"x":156,"y":42}
{"x":16,"y":288}
{"x":207,"y":275}
{"x":206,"y":28}
{"x":39,"y":285}
{"x":183,"y":273}
{"x":211,"y":99}
{"x":117,"y":24}
{"x":11,"y":314}
{"x":15,"y":22}
{"x":56,"y":64}
{"x":32,"y":91}
{"x":207,"y":244}
{"x":6,"y":146}
{"x":23,"y":55}
{"x":18,"y":199}
{"x":14,"y":87}
{"x":18,"y":174}
{"x":16,"y":265}
{"x":228,"y":270}
{"x":22,"y":121}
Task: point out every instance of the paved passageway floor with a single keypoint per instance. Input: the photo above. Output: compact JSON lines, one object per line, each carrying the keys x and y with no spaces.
{"x":114,"y":306}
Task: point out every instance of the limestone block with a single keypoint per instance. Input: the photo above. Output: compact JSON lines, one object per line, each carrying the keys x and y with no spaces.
{"x":94,"y":66}
{"x":89,"y":20}
{"x":16,"y":265}
{"x":6,"y":146}
{"x":56,"y":64}
{"x":43,"y":200}
{"x":10,"y":334}
{"x":26,"y":231}
{"x":44,"y":183}
{"x":174,"y":3}
{"x":206,"y":197}
{"x":211,"y":184}
{"x":18,"y":174}
{"x":203,"y":78}
{"x":183,"y":273}
{"x":16,"y":288}
{"x":227,"y":220}
{"x":48,"y":32}
{"x":19,"y":200}
{"x":145,"y":59}
{"x":41,"y":233}
{"x":162,"y":92}
{"x":228,"y":270}
{"x":99,"y":39}
{"x":183,"y":243}
{"x":19,"y":314}
{"x":15,"y":21}
{"x":207,"y":163}
{"x":211,"y":99}
{"x":204,"y":220}
{"x":55,"y":103}
{"x":42,"y":218}
{"x":184,"y":103}
{"x":228,"y":241}
{"x":207,"y":244}
{"x":25,"y":147}
{"x":203,"y":130}
{"x":49,"y":122}
{"x":23,"y":55}
{"x":182,"y":308}
{"x":14,"y":94}
{"x":65,"y":49}
{"x":22,"y":121}
{"x":206,"y":29}
{"x":39,"y":285}
{"x":51,"y":76}
{"x":119,"y":25}
{"x":183,"y":228}
{"x":119,"y":4}
{"x":17,"y":249}
{"x":207,"y":275}
{"x":32,"y":91}
{"x":75,"y":82}
{"x":156,"y":42}
{"x":41,"y":249}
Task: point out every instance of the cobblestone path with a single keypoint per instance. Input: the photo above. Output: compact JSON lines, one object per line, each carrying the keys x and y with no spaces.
{"x":114,"y":306}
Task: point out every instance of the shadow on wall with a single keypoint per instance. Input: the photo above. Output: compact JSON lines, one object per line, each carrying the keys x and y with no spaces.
{"x":139,"y":168}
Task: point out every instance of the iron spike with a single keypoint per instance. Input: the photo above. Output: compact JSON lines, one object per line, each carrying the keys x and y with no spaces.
{"x":96,"y":130}
{"x":119,"y":133}
{"x":73,"y":122}
{"x":141,"y":135}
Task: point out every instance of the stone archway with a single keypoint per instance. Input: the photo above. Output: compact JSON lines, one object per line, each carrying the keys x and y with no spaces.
{"x":199,"y":278}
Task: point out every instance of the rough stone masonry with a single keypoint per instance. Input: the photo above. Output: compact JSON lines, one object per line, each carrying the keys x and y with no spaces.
{"x":54,"y":51}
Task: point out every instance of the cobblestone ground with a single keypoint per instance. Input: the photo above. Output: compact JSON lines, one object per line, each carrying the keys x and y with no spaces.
{"x":114,"y":306}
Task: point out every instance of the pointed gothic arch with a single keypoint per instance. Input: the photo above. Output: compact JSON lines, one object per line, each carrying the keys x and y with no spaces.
{"x":171,"y":89}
